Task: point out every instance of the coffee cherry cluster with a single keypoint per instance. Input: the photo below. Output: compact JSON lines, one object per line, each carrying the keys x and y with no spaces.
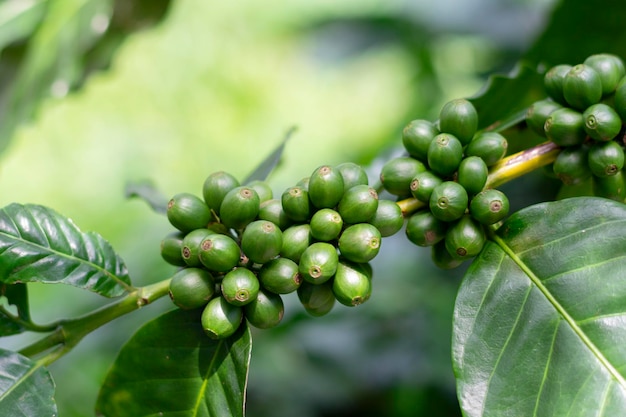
{"x":241,"y":249}
{"x":584,"y":114}
{"x":446,"y":170}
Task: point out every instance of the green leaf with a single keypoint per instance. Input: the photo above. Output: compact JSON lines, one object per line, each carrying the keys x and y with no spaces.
{"x":147,"y":191}
{"x":26,"y":388}
{"x":18,"y":19}
{"x":603,"y":32}
{"x":540,"y":317}
{"x":39,"y":245}
{"x":273,"y":159}
{"x":17,"y":295}
{"x":170,"y":368}
{"x":506,"y":95}
{"x":53,"y":61}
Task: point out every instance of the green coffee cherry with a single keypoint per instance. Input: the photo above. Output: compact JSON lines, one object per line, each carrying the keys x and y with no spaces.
{"x":187,"y":212}
{"x":565,"y":127}
{"x":262,"y":188}
{"x":272,"y":211}
{"x":171,"y":247}
{"x":317,"y":300}
{"x":280,"y":276}
{"x":216,"y":186}
{"x":261,"y":241}
{"x":606,"y":159}
{"x":571,"y":165}
{"x":424,"y":229}
{"x":472,"y":174}
{"x":396,"y":174}
{"x":448,"y":201}
{"x":192,"y":288}
{"x":190,"y":246}
{"x":609,"y":67}
{"x":465,"y":238}
{"x":388,"y":218}
{"x":416,"y":138}
{"x":423,"y":185}
{"x":613,"y":187}
{"x":296,"y":205}
{"x":318,"y":262}
{"x":295,"y":241}
{"x":620,"y":98}
{"x":445,"y":154}
{"x":304,"y":184}
{"x":538,"y":113}
{"x":220,"y":319}
{"x":489,"y":146}
{"x":358,"y":204}
{"x":325,"y":187}
{"x":460,"y":119}
{"x":326,"y":224}
{"x":601,"y":122}
{"x":442,"y":258}
{"x":351,"y":285}
{"x":582,"y":87}
{"x":489,"y":206}
{"x":360,"y":242}
{"x":239,"y":207}
{"x":240,"y":286}
{"x":352,"y":174}
{"x":219,"y":253}
{"x":553,"y":82}
{"x":266,"y":311}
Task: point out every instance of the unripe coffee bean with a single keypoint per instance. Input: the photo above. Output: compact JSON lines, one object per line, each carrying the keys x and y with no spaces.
{"x":239,"y":207}
{"x":192,"y":288}
{"x":220,"y":319}
{"x":265,"y":311}
{"x":216,"y":186}
{"x":187,"y":212}
{"x":360,"y":242}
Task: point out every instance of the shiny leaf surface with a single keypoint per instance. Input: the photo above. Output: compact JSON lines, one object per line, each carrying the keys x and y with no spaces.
{"x":540,"y":318}
{"x":26,"y":388}
{"x":39,"y":245}
{"x":170,"y":368}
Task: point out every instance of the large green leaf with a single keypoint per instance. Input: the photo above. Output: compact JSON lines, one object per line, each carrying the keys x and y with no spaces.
{"x":540,"y":318}
{"x":39,"y":245}
{"x":26,"y":388}
{"x":170,"y":368}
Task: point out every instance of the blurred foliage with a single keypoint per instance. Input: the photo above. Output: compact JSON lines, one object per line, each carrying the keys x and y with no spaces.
{"x":49,"y":47}
{"x":124,"y":91}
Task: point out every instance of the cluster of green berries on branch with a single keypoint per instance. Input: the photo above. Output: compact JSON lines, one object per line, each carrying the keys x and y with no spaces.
{"x":240,"y":249}
{"x":446,"y":170}
{"x":583,"y":113}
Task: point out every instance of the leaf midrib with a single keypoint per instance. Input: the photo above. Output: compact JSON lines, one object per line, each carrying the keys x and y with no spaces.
{"x":53,"y":252}
{"x":561,"y":310}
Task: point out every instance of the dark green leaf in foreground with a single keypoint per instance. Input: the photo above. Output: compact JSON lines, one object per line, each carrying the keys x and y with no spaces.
{"x":170,"y":368}
{"x":39,"y":245}
{"x":26,"y":388}
{"x":540,"y":318}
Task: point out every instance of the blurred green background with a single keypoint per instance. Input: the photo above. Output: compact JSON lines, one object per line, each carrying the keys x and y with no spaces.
{"x":95,"y":94}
